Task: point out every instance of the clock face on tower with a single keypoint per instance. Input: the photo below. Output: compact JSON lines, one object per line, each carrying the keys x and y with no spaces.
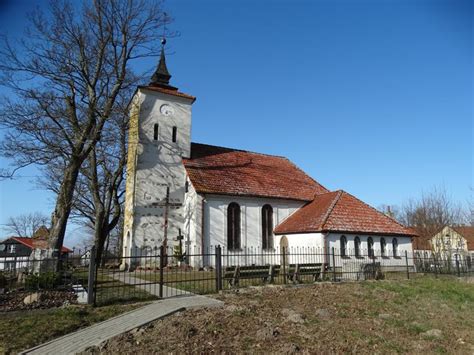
{"x":166,"y":110}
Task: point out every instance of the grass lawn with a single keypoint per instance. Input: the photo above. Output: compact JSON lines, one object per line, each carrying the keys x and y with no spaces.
{"x":110,"y":291}
{"x":24,"y":329}
{"x":421,"y":315}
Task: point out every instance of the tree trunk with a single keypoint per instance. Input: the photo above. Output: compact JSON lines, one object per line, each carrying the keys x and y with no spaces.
{"x":100,"y":234}
{"x":63,"y":209}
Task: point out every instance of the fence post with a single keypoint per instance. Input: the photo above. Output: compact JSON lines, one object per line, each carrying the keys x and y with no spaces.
{"x":162,"y":265}
{"x":457,"y":265}
{"x":91,"y":280}
{"x":284,"y":264}
{"x":406,"y":261}
{"x":374,"y":272}
{"x":218,"y":268}
{"x":333,"y":265}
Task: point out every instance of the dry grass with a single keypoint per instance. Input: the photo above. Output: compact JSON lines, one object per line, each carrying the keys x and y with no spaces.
{"x":24,"y":329}
{"x":415,"y":316}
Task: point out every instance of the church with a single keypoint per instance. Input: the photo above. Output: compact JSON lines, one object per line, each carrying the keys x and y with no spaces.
{"x":198,"y":196}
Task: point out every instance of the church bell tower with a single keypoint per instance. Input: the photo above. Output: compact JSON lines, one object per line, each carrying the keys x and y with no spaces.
{"x":159,"y":137}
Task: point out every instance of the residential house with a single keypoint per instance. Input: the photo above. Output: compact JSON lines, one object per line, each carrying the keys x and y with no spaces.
{"x":15,"y":252}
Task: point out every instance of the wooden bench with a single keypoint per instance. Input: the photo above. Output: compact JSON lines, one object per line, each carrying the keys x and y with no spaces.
{"x":295,"y":271}
{"x":264,"y":272}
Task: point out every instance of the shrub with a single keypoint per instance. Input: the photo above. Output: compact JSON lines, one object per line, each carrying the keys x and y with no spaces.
{"x":3,"y":280}
{"x":44,"y":281}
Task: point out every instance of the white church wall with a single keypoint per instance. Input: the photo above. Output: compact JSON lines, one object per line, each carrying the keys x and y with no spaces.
{"x":303,"y":248}
{"x":158,"y":167}
{"x":388,"y":261}
{"x":215,"y":226}
{"x":193,"y":226}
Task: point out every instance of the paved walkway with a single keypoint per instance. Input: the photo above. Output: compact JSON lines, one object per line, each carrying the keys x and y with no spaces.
{"x":97,"y":333}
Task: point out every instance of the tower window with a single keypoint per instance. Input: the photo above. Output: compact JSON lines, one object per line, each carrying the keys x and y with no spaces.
{"x":155,"y":132}
{"x":175,"y":133}
{"x":267,"y":227}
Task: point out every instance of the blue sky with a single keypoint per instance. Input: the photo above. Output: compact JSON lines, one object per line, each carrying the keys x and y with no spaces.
{"x":374,"y":97}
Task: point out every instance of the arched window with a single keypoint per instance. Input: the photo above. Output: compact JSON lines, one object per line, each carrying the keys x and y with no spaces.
{"x":357,"y":247}
{"x":155,"y":132}
{"x":233,"y":226}
{"x":383,"y":247}
{"x":395,"y":247}
{"x":175,"y":133}
{"x":267,"y":227}
{"x":343,"y":246}
{"x":370,"y":247}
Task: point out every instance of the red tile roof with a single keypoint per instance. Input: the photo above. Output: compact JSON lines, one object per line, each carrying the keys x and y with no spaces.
{"x":339,"y":211}
{"x":32,"y":243}
{"x":468,"y":234}
{"x":227,"y":171}
{"x":173,"y":92}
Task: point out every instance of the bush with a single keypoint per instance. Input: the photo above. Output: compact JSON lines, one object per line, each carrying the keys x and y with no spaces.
{"x":3,"y":280}
{"x":42,"y":281}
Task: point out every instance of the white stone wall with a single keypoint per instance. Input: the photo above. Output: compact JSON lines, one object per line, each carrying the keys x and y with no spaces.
{"x":215,"y":226}
{"x":193,"y":226}
{"x":304,"y":248}
{"x":404,"y":244}
{"x":158,"y":166}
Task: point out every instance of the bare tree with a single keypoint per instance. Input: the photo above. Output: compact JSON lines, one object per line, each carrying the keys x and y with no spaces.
{"x":392,"y":211}
{"x":25,"y":225}
{"x":100,"y":189}
{"x":67,"y":75}
{"x":470,"y":210}
{"x":434,"y":210}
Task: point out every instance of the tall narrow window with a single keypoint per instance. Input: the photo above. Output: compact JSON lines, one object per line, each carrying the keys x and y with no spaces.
{"x":343,"y":246}
{"x":395,"y":247}
{"x":370,"y":247}
{"x":267,"y":227}
{"x":357,"y":247}
{"x":175,"y":133}
{"x":186,"y":186}
{"x":383,"y":247}
{"x":233,"y":226}
{"x":155,"y":132}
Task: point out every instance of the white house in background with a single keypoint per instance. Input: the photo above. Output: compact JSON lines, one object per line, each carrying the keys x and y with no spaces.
{"x":237,"y":199}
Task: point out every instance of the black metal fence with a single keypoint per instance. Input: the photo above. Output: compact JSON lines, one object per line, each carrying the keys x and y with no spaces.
{"x":161,"y":273}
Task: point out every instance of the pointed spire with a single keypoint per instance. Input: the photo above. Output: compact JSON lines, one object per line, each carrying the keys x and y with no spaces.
{"x":161,"y":77}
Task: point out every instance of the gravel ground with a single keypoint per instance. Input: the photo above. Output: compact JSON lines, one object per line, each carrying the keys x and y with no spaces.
{"x":47,"y":299}
{"x":383,"y":317}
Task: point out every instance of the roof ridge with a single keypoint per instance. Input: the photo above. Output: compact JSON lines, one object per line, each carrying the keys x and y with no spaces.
{"x":243,"y":150}
{"x":331,"y":207}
